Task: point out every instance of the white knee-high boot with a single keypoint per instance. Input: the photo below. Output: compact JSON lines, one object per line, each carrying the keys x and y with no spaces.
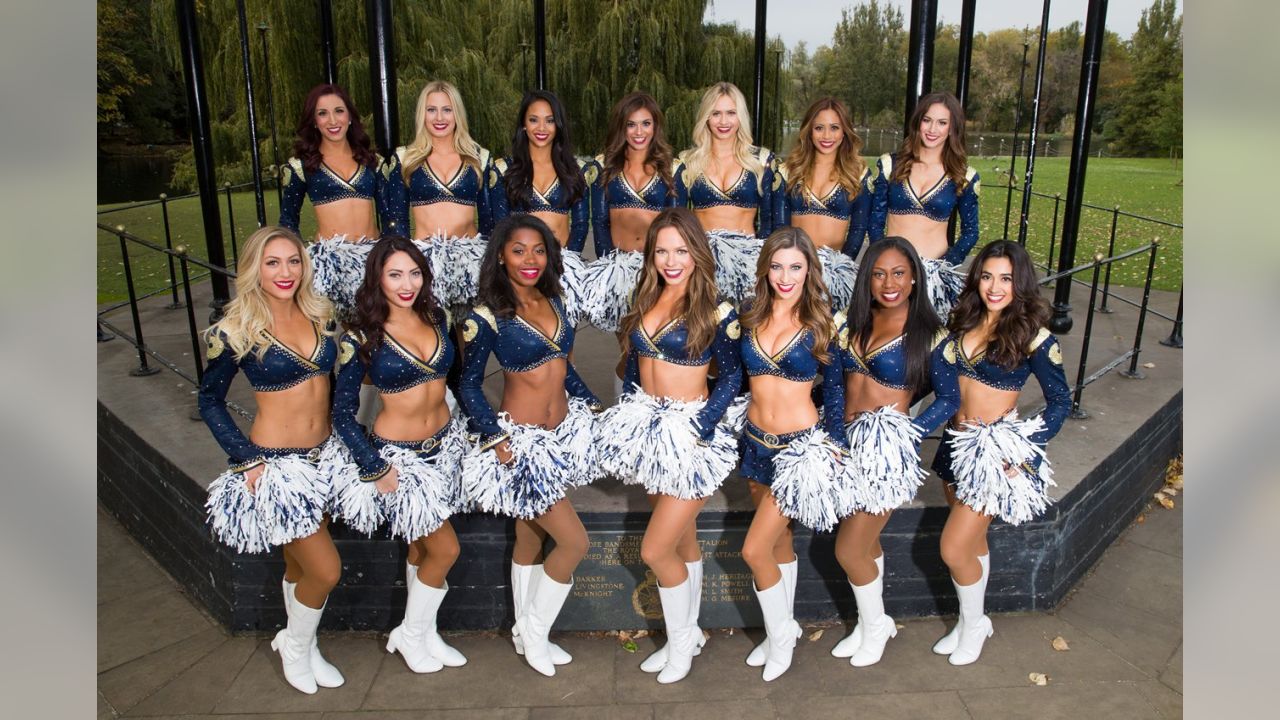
{"x":677,"y":613}
{"x":877,"y":627}
{"x":327,"y":676}
{"x":520,"y":595}
{"x":948,"y":643}
{"x":410,"y":637}
{"x":849,"y":645}
{"x":975,"y":625}
{"x":546,"y":597}
{"x":780,"y":627}
{"x":294,"y":645}
{"x":789,"y":569}
{"x":658,"y":658}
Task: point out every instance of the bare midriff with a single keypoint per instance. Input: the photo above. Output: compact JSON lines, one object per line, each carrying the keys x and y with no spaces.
{"x":449,"y":219}
{"x":628,"y":227}
{"x":728,"y":217}
{"x":779,"y":405}
{"x":559,"y":224}
{"x":351,"y":217}
{"x":536,"y":397}
{"x":983,"y":403}
{"x":296,"y":417}
{"x":414,"y":414}
{"x":863,"y":393}
{"x":928,"y":237}
{"x":825,"y":231}
{"x":686,"y":383}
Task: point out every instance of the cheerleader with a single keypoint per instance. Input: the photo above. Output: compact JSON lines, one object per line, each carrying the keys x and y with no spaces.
{"x":334,"y":164}
{"x":791,"y":455}
{"x":828,"y":192}
{"x":406,"y":469}
{"x":543,"y":178}
{"x":278,"y":484}
{"x":733,"y":186}
{"x":668,"y":433}
{"x":994,"y":463}
{"x":437,"y":184}
{"x":890,"y":347}
{"x":933,"y":159}
{"x":540,"y":444}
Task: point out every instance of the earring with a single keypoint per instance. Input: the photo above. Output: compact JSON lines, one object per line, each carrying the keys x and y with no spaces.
{"x":913,"y":282}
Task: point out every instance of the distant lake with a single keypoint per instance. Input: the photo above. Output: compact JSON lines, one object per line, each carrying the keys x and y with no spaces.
{"x":127,"y":178}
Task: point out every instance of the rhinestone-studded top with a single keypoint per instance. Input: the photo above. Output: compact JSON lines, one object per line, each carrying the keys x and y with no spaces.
{"x":835,"y":204}
{"x":765,"y":194}
{"x":795,"y":361}
{"x":326,"y":186}
{"x":424,"y":187}
{"x":619,"y":194}
{"x":554,"y":199}
{"x":937,"y":203}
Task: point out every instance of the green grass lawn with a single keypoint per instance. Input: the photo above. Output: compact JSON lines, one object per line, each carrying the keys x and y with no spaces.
{"x":1150,"y":187}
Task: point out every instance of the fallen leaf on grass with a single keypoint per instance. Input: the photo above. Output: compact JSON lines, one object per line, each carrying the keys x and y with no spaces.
{"x":1038,"y":679}
{"x":815,"y":636}
{"x":1060,"y":644}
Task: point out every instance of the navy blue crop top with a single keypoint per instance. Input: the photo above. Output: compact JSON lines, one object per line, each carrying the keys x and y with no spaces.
{"x":764,"y":194}
{"x":555,"y":199}
{"x":326,"y":186}
{"x":618,"y":193}
{"x":795,"y":361}
{"x":668,"y":345}
{"x":279,"y":369}
{"x":424,"y":187}
{"x":890,"y":198}
{"x":835,"y":204}
{"x":393,"y":368}
{"x":520,"y":347}
{"x":1044,"y":361}
{"x":887,"y":365}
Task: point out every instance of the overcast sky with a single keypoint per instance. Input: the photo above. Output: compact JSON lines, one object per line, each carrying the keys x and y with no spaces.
{"x":813,"y":20}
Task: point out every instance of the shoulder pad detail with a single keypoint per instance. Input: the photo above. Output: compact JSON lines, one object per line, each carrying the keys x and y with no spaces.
{"x":484,"y":312}
{"x":938,"y":338}
{"x":949,"y":351}
{"x":214,"y":344}
{"x":886,"y":164}
{"x":1041,"y":336}
{"x":733,"y":331}
{"x":590,"y":171}
{"x":723,"y":310}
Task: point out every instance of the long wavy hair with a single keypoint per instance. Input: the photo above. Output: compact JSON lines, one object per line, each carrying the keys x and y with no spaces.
{"x":696,"y":158}
{"x":519,"y":176}
{"x":306,"y":146}
{"x":416,"y":152}
{"x":814,"y":309}
{"x":849,"y":165}
{"x":372,"y":308}
{"x":701,"y":297}
{"x":495,"y":287}
{"x":247,"y":318}
{"x":922,"y":321}
{"x":1020,"y":321}
{"x":660,"y":155}
{"x":955,"y":160}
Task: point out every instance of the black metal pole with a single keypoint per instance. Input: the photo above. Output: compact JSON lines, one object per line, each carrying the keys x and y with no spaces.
{"x":1111,"y":251}
{"x":1035,"y":125}
{"x":143,"y":368}
{"x":1175,"y":335}
{"x":271,"y":113}
{"x":231,"y":224}
{"x":924,"y":27}
{"x":191,"y":317}
{"x":540,"y":42}
{"x":168,"y":243}
{"x":1133,"y":371}
{"x":777,"y":99}
{"x":524,"y":62}
{"x":757,"y":102}
{"x":1013,"y":153}
{"x":1076,"y":412}
{"x":328,"y":45}
{"x":382,"y":75}
{"x":966,"y":52}
{"x":251,"y":109}
{"x":1053,"y":233}
{"x":1094,"y":34}
{"x":202,"y":149}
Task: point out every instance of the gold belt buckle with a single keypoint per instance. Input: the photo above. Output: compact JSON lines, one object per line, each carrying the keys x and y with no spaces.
{"x":313,"y":455}
{"x":770,"y":439}
{"x":428,"y":445}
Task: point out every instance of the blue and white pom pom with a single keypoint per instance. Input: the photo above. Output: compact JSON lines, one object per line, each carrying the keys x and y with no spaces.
{"x":839,"y":272}
{"x":651,"y":441}
{"x":354,"y":501}
{"x":944,"y":283}
{"x":577,"y":437}
{"x":287,"y":504}
{"x":574,"y":284}
{"x":979,"y":454}
{"x":455,"y":267}
{"x":338,"y":268}
{"x":607,"y":285}
{"x":736,"y":255}
{"x":539,"y":474}
{"x":807,"y":480}
{"x":429,"y":488}
{"x":883,"y":468}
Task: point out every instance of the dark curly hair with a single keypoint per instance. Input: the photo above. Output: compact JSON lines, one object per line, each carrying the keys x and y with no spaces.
{"x":306,"y":147}
{"x":1020,"y":321}
{"x":371,"y":307}
{"x":922,"y":321}
{"x":519,"y":175}
{"x":495,"y":287}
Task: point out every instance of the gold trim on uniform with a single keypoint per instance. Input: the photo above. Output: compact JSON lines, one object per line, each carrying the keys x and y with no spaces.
{"x":1055,"y":354}
{"x":733,"y":330}
{"x":1039,"y":340}
{"x":949,"y":351}
{"x":216,"y":346}
{"x":590,"y":173}
{"x":484,"y":312}
{"x":722,"y":311}
{"x":470,"y":330}
{"x":346,"y":351}
{"x":938,"y":337}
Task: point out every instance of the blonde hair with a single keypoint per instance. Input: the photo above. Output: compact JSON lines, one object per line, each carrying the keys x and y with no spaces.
{"x":814,"y":309}
{"x":248,"y":316}
{"x":416,"y":153}
{"x":695,"y":159}
{"x":849,"y":166}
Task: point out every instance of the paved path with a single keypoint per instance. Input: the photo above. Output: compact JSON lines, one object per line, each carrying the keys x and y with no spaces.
{"x":159,"y":656}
